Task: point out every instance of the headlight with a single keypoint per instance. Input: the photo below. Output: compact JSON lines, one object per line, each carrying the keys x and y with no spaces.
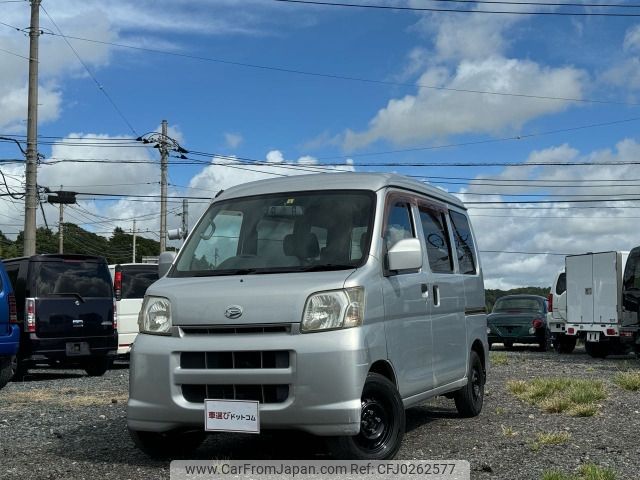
{"x":333,"y":309}
{"x":155,"y":316}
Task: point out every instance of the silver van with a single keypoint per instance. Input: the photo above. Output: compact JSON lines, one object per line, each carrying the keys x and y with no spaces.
{"x":327,"y":303}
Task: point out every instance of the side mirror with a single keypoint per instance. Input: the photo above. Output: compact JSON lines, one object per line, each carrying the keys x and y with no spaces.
{"x":164,"y":262}
{"x":175,"y":234}
{"x":405,"y":255}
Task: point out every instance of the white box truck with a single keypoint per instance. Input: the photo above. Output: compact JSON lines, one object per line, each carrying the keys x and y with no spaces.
{"x":557,"y":315}
{"x":594,"y":301}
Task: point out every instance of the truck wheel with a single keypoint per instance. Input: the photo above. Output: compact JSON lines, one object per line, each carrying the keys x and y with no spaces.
{"x":469,"y":399}
{"x":596,"y":349}
{"x":382,"y":424}
{"x":7,"y":369}
{"x":564,"y":343}
{"x":98,"y":366}
{"x":167,"y":444}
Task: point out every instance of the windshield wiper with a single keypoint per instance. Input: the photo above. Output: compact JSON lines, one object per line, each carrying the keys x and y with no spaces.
{"x":326,"y":267}
{"x":68,"y":294}
{"x":235,"y":271}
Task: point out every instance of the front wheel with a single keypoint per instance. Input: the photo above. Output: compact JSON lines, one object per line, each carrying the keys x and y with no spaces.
{"x":167,"y":444}
{"x":382,"y":424}
{"x":469,"y":399}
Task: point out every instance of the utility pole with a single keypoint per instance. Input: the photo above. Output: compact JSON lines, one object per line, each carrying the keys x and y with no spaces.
{"x":61,"y":230}
{"x":185,"y":218}
{"x":31,"y":197}
{"x":164,"y":155}
{"x":134,"y":242}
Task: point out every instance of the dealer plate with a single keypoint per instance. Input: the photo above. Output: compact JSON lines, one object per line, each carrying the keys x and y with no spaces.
{"x":593,"y":336}
{"x":231,"y":416}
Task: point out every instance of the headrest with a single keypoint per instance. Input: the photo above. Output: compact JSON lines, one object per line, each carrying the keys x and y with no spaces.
{"x":301,"y":245}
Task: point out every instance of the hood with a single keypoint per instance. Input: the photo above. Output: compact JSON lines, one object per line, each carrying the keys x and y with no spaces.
{"x":263,"y":298}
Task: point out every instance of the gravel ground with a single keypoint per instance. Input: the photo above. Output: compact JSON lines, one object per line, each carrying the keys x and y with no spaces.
{"x":63,"y":424}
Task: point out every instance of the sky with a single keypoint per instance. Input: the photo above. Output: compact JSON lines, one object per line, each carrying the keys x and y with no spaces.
{"x":300,"y":88}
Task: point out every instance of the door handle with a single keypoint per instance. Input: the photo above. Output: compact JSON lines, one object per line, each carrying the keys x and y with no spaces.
{"x":436,"y":295}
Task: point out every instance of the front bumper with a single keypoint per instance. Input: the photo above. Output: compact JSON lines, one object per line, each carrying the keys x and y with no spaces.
{"x":325,"y":376}
{"x":10,"y":342}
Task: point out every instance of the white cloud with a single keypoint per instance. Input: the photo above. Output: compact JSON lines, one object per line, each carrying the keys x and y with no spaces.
{"x":233,"y":140}
{"x":559,"y":228}
{"x":432,"y":114}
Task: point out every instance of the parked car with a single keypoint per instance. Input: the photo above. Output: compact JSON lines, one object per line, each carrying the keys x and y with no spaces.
{"x":557,"y":315}
{"x":66,"y":311}
{"x":326,"y":303}
{"x":630,"y":328}
{"x":9,"y":330}
{"x":519,"y":319}
{"x":130,"y":282}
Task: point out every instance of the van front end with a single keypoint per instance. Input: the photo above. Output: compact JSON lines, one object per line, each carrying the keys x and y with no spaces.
{"x":310,"y":382}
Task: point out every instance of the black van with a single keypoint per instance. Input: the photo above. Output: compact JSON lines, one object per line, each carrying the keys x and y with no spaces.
{"x":631,"y":299}
{"x":66,"y":311}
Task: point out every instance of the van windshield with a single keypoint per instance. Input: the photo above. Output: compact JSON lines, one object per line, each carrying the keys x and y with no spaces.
{"x":72,"y":277}
{"x":284,"y":232}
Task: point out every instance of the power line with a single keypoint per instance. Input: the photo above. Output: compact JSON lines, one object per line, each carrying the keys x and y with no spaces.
{"x":337,"y":76}
{"x":525,"y":253}
{"x":95,"y":80}
{"x":455,"y":10}
{"x":544,"y":4}
{"x":14,"y":54}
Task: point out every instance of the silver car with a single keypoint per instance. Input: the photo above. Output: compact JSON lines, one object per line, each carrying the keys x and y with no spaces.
{"x":326,"y":303}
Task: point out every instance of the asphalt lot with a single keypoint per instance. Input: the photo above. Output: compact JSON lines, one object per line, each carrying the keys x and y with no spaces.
{"x":63,"y":424}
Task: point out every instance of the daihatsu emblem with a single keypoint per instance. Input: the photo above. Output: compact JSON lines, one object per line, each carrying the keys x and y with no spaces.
{"x":233,"y":312}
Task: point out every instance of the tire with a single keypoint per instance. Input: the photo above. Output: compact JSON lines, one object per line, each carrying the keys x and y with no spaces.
{"x":545,"y":342}
{"x":98,"y":366}
{"x":21,"y":370}
{"x":161,"y":445}
{"x":564,"y":343}
{"x":508,"y":345}
{"x":382,"y":424}
{"x":470,"y":398}
{"x":8,"y":366}
{"x":596,"y":349}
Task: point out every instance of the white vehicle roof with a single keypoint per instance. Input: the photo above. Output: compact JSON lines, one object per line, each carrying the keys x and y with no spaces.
{"x":338,"y":181}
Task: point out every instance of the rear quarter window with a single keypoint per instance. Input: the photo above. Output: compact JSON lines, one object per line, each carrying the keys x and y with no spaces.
{"x":464,"y":243}
{"x":561,"y":285}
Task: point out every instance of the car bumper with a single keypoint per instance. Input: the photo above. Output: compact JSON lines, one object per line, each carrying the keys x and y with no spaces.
{"x":325,"y":377}
{"x":493,"y":338}
{"x":125,"y":340}
{"x":56,"y":348}
{"x":10,"y":342}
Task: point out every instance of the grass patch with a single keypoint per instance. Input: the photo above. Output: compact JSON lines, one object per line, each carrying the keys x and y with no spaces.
{"x":500,"y":411}
{"x":508,"y":431}
{"x":66,"y":397}
{"x":498,"y":358}
{"x":577,"y":397}
{"x":550,"y":438}
{"x":628,"y":380}
{"x":585,"y":472}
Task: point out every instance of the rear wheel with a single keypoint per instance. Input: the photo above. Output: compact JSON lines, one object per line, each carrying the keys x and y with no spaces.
{"x":469,"y":399}
{"x":508,"y":344}
{"x":167,"y":444}
{"x":382,"y":424}
{"x":564,"y":343}
{"x":597,"y":349}
{"x":98,"y":366}
{"x":545,"y":341}
{"x":8,"y":367}
{"x":20,"y":369}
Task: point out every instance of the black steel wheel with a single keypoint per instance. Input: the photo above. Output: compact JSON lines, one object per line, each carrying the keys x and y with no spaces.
{"x":470,"y":398}
{"x":382,"y":424}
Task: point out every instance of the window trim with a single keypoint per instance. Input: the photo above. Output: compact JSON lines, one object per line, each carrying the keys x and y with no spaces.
{"x":474,"y":251}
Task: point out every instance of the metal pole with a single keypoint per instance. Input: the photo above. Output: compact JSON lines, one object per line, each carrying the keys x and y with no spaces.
{"x":61,"y":231}
{"x":31,"y":197}
{"x":163,"y":187}
{"x":185,"y":218}
{"x":134,"y":242}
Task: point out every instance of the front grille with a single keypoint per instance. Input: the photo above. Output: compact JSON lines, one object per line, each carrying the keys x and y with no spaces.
{"x":261,"y":393}
{"x":230,"y":360}
{"x":235,"y":330}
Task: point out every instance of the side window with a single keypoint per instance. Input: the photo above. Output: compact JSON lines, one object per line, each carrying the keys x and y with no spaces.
{"x":12,"y":273}
{"x":399,"y":224}
{"x":561,"y":286}
{"x":437,"y":241}
{"x":464,"y":243}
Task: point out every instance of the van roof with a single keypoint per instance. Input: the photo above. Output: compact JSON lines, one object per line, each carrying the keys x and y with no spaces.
{"x":338,"y":181}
